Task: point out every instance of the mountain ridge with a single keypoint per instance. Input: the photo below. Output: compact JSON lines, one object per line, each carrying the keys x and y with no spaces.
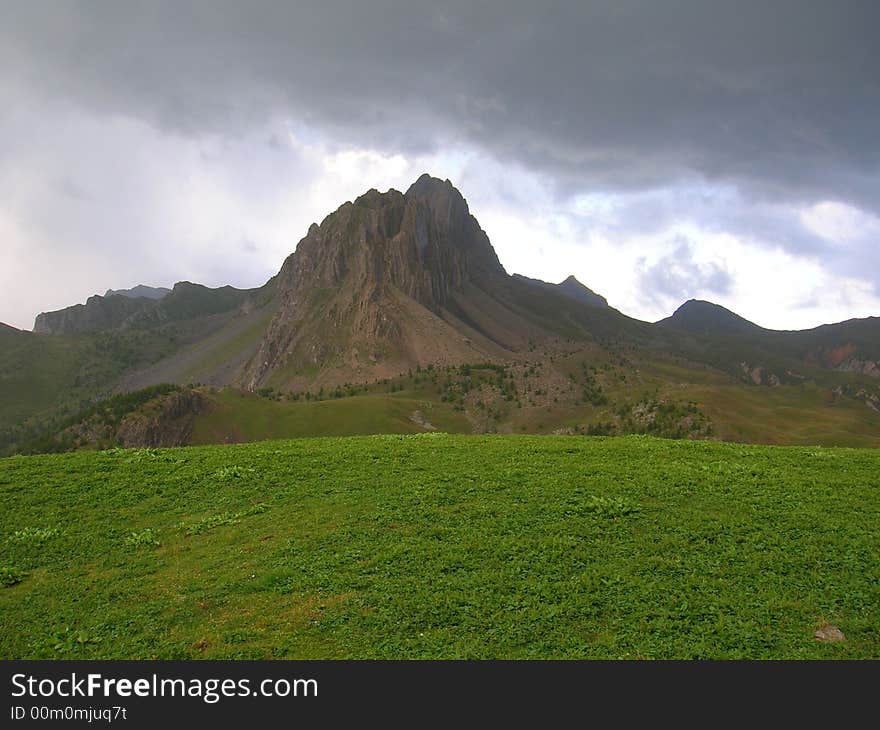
{"x":140,"y":290}
{"x":571,"y":287}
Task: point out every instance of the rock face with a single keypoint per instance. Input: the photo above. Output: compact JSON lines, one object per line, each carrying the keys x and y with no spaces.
{"x":759,"y":375}
{"x":830,"y":357}
{"x":384,"y":282}
{"x":165,"y":420}
{"x":843,"y":357}
{"x":865,"y":367}
{"x":168,"y":422}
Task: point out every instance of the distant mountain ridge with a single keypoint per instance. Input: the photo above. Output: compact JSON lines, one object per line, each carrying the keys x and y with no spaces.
{"x":115,"y":311}
{"x":570,"y":287}
{"x":141,"y":290}
{"x":706,"y":318}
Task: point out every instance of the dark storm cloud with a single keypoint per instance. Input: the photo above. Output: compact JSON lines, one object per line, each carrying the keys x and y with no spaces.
{"x":779,"y":98}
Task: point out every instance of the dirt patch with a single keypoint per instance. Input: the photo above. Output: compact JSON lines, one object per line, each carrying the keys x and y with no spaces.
{"x":829,"y":634}
{"x":419,"y":418}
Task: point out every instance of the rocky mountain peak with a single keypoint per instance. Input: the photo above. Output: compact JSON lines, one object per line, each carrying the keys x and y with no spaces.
{"x":573,"y":288}
{"x":428,"y":186}
{"x":424,"y":242}
{"x":373,"y":199}
{"x":423,"y":245}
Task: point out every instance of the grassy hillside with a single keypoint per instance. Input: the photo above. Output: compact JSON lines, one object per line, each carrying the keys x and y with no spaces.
{"x":441,"y":546}
{"x":585,"y":392}
{"x":241,"y":416}
{"x":579,"y":394}
{"x":46,"y":378}
{"x":801,"y":414}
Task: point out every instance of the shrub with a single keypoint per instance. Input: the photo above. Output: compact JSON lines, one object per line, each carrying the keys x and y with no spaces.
{"x":10,"y":576}
{"x":33,"y":535}
{"x":145,"y":538}
{"x":224,"y":518}
{"x":601,"y":506}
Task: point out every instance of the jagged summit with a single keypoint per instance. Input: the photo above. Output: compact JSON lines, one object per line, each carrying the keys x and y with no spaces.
{"x":428,"y":185}
{"x":374,"y":199}
{"x":368,"y":271}
{"x":392,"y":281}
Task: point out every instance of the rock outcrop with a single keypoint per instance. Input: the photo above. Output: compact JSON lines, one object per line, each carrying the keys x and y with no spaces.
{"x":865,"y":367}
{"x":167,"y":421}
{"x":759,"y":375}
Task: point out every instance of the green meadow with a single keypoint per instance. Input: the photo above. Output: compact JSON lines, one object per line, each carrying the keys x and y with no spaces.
{"x":441,"y":546}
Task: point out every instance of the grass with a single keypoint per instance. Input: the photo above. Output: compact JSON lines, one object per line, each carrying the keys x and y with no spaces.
{"x":241,"y":416}
{"x":438,"y":546}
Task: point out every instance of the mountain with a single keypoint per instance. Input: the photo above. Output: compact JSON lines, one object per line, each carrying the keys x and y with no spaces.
{"x":571,"y":287}
{"x":394,"y":314}
{"x":718,"y":337}
{"x":394,"y":281}
{"x":706,"y":318}
{"x":141,"y":290}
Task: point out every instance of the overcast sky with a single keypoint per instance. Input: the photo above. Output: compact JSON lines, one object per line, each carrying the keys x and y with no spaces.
{"x":657,"y":150}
